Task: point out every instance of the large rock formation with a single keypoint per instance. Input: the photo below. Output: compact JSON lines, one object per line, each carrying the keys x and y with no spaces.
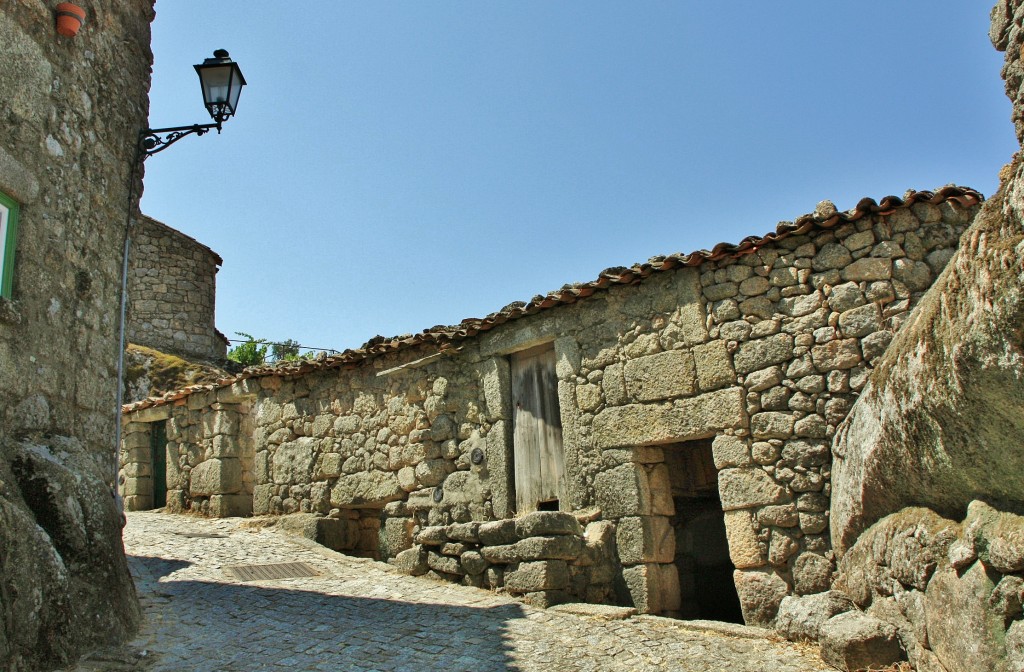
{"x":939,"y":423}
{"x":64,"y":581}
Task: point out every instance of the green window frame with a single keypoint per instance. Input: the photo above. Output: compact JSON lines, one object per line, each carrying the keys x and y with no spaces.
{"x":8,"y":239}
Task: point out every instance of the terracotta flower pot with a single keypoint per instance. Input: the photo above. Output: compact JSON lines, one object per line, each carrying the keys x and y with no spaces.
{"x":70,"y":18}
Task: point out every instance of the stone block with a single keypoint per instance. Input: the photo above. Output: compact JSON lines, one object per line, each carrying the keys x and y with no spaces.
{"x":474,"y":563}
{"x":495,"y":377}
{"x":535,"y":548}
{"x":800,"y":618}
{"x":855,"y":641}
{"x":588,"y":397}
{"x":530,"y":577}
{"x":812,"y":573}
{"x":653,"y":588}
{"x":744,"y":550}
{"x":763,"y":352}
{"x":412,"y":561}
{"x":329,"y":466}
{"x":261,"y":498}
{"x":395,"y":536}
{"x":760,"y":592}
{"x":659,"y":484}
{"x":134,"y":441}
{"x":800,"y":305}
{"x":216,"y":477}
{"x":137,"y":470}
{"x":499,"y":463}
{"x":748,"y":487}
{"x":228,"y":506}
{"x":645,"y":539}
{"x":614,"y":385}
{"x":730,"y":451}
{"x":772,"y":425}
{"x":627,"y":490}
{"x":837,"y":354}
{"x":686,"y":419}
{"x":661,"y":376}
{"x":292,"y":462}
{"x":138,"y":502}
{"x":498,"y":533}
{"x":544,"y":523}
{"x":240,"y":391}
{"x":868,"y":269}
{"x":220,"y":422}
{"x":916,"y":275}
{"x":367,"y":488}
{"x":758,"y":381}
{"x":543,"y":599}
{"x":831,"y":256}
{"x":444,"y":564}
{"x":859,"y":322}
{"x":714,"y":366}
{"x":782,"y":515}
{"x":433,"y":472}
{"x":198,"y":401}
{"x":432,"y":536}
{"x":468,"y":532}
{"x":225,"y":445}
{"x":175,"y":501}
{"x":970,"y":640}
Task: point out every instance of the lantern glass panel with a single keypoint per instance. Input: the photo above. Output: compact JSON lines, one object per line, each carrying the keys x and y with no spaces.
{"x":216,"y":81}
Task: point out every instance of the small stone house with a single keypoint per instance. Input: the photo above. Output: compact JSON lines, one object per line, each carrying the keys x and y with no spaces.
{"x":172,"y":289}
{"x":659,"y":437}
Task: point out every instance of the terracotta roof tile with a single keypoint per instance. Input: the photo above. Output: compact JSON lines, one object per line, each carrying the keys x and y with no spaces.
{"x":444,"y":336}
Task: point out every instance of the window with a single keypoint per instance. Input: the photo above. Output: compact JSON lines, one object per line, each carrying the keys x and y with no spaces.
{"x":8,"y":234}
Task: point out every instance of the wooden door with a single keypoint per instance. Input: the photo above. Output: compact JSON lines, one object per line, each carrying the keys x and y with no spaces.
{"x":158,"y":446}
{"x":537,"y":427}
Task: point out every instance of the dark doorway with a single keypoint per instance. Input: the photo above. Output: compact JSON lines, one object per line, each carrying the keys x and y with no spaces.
{"x":158,"y":448}
{"x":702,"y":548}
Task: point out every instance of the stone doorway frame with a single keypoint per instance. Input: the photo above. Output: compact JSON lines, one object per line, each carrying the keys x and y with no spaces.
{"x":135,"y":472}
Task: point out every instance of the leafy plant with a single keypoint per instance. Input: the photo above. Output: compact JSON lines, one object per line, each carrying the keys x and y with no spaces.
{"x":287,"y":351}
{"x":250,"y":353}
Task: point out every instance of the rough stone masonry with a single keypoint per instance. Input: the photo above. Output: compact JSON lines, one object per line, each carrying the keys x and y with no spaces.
{"x":721,"y":374}
{"x":71,"y":111}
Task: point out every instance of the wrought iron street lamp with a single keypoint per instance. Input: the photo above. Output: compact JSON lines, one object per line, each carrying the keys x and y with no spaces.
{"x":222,"y":83}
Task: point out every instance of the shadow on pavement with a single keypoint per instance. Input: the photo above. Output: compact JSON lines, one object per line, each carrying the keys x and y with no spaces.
{"x":231,"y":626}
{"x":155,"y":566}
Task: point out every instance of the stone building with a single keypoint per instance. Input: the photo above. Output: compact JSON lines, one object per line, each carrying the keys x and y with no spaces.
{"x":658,"y":437}
{"x":71,"y":111}
{"x":172,"y":288}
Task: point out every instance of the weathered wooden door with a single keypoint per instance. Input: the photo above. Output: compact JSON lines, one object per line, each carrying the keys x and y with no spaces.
{"x":537,"y":425}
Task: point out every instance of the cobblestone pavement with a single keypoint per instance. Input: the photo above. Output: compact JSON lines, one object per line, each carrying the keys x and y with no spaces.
{"x":363,"y":615}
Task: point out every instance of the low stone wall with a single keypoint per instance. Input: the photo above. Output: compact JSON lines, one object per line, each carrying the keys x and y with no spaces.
{"x":545,"y":557}
{"x":950,"y":592}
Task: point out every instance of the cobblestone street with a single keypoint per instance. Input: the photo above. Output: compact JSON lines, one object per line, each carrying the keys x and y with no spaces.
{"x":362,"y":615}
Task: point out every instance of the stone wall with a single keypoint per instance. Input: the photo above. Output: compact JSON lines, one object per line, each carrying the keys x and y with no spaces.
{"x":756,"y":357}
{"x":172,"y":288}
{"x":71,"y":111}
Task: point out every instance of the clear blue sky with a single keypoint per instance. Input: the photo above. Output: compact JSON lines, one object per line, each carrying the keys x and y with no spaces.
{"x":398,"y":165}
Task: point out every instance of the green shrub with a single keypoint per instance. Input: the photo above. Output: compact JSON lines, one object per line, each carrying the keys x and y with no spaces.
{"x":250,"y":353}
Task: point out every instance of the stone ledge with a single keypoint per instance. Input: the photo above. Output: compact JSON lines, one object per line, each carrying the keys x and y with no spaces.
{"x":602,"y":611}
{"x":718,"y":627}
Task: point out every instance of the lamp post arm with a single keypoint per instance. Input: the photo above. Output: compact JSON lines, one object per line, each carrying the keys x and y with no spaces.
{"x":155,"y":140}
